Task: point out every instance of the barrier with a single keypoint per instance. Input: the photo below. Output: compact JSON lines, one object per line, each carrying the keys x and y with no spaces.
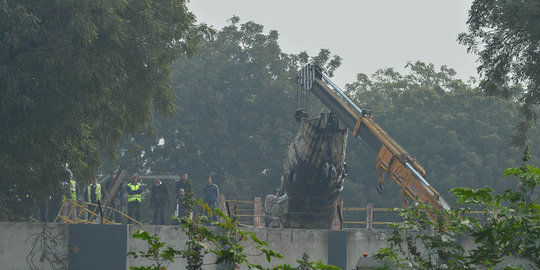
{"x":250,"y":213}
{"x":74,"y":213}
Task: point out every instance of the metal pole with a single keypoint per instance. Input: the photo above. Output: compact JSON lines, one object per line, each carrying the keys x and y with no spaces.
{"x":349,"y":101}
{"x":426,"y":184}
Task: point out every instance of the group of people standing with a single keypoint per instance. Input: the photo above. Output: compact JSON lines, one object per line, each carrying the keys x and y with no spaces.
{"x":159,"y":198}
{"x":94,"y":194}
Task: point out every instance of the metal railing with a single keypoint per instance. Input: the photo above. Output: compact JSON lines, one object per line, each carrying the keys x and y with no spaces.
{"x":73,"y":212}
{"x":369,"y":216}
{"x":250,"y":213}
{"x":247,"y":214}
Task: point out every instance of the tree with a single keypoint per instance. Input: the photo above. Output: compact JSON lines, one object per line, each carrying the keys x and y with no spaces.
{"x":235,"y":114}
{"x":506,"y":38}
{"x":448,"y":125}
{"x":76,"y":77}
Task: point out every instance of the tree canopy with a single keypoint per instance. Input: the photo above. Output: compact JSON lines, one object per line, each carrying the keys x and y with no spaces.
{"x":235,"y":117}
{"x":506,"y":37}
{"x":77,"y":76}
{"x":459,"y":135}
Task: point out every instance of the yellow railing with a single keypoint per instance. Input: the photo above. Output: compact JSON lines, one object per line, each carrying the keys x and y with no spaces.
{"x":250,"y":211}
{"x":75,"y":213}
{"x":369,"y":216}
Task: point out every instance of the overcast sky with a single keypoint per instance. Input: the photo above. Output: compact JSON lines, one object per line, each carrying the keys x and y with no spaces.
{"x":368,"y":35}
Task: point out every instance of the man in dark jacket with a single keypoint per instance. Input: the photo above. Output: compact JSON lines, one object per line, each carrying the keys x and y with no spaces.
{"x":183,"y":183}
{"x":180,"y":206}
{"x":159,"y":199}
{"x":210,"y":194}
{"x":94,"y":193}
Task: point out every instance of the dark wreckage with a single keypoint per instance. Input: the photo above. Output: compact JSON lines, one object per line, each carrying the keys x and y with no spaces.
{"x":314,"y":172}
{"x":314,"y":169}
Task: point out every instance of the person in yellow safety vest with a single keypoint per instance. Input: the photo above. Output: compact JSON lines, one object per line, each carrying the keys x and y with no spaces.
{"x":70,"y":192}
{"x":93,"y":194}
{"x":134,"y":199}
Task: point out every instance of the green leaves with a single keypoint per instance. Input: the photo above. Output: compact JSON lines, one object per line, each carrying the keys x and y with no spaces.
{"x":504,"y":35}
{"x":458,"y":134}
{"x":76,"y":77}
{"x":224,"y":239}
{"x":160,"y":257}
{"x":470,"y":196}
{"x":235,"y":106}
{"x":507,"y":226}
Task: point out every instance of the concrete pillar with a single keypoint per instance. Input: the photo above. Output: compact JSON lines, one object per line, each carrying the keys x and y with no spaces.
{"x":369,"y":216}
{"x":337,"y":248}
{"x":337,"y":224}
{"x":258,"y":221}
{"x":97,"y":246}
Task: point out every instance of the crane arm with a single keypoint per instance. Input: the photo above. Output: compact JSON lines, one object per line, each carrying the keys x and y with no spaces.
{"x":393,"y":162}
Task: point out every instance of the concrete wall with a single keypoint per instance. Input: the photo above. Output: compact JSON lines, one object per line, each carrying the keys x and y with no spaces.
{"x":360,"y":241}
{"x":291,"y":243}
{"x":174,"y":237}
{"x":33,"y":246}
{"x":79,"y":245}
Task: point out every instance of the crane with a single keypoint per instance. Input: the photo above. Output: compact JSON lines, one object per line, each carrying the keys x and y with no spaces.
{"x":393,"y":162}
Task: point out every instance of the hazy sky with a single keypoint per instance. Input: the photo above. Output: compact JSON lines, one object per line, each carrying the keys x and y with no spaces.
{"x":368,"y":35}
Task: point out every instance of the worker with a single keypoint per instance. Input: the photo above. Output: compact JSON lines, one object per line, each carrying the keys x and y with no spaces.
{"x":183,"y":183}
{"x":93,"y":195}
{"x":158,"y":201}
{"x":180,"y":206}
{"x":210,"y":194}
{"x":70,"y":193}
{"x":134,"y":199}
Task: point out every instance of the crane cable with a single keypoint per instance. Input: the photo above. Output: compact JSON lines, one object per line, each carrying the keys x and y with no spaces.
{"x":301,"y":96}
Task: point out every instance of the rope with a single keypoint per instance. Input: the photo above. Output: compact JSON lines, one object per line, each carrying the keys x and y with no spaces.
{"x":305,"y":99}
{"x":297,"y":94}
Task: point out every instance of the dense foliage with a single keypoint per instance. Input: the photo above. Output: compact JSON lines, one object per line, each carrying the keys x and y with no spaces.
{"x":78,"y":76}
{"x":235,"y":116}
{"x":506,"y":36}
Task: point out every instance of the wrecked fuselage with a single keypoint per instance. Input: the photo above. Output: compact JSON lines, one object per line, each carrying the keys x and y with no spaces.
{"x":314,"y":172}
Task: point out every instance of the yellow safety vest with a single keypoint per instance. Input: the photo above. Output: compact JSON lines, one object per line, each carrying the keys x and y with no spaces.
{"x":134,"y":197}
{"x":72,"y":190}
{"x":98,"y":192}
